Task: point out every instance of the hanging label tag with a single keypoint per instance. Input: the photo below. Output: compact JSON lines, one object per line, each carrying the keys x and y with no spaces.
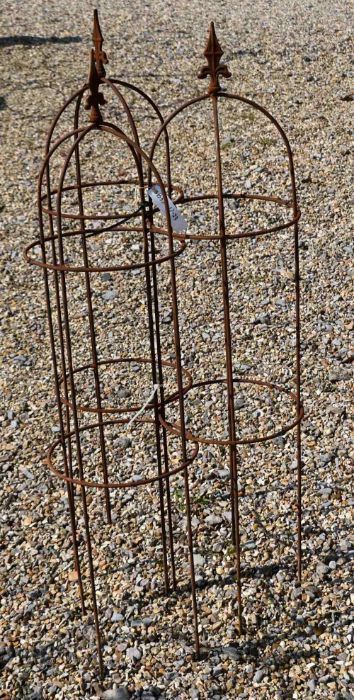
{"x":178,"y":223}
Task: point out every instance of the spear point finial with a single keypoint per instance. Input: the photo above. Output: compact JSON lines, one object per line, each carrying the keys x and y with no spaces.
{"x":97,"y":38}
{"x":213,"y":53}
{"x":95,"y":98}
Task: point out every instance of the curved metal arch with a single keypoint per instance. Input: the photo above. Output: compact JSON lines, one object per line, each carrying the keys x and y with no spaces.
{"x":107,"y":81}
{"x":254,"y":105}
{"x":112,"y":82}
{"x":131,"y":145}
{"x":105,"y":127}
{"x":76,"y":95}
{"x":112,"y":128}
{"x":51,"y":151}
{"x":157,"y":110}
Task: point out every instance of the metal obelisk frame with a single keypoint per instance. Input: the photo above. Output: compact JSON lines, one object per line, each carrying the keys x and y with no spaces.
{"x":223,"y":240}
{"x":68,"y":261}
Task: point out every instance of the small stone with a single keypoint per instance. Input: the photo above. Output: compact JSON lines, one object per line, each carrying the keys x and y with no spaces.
{"x":110,"y":295}
{"x":27,"y":473}
{"x":322,"y":569}
{"x":339,"y":376}
{"x":123,"y":393}
{"x":325,"y":492}
{"x":312,"y":685}
{"x":106,"y":277}
{"x":124,"y":442}
{"x":36,"y":694}
{"x":296,"y":593}
{"x":231,"y":652}
{"x":134,"y":654}
{"x":213,"y":519}
{"x":325,"y":459}
{"x":325,"y":679}
{"x":259,"y":675}
{"x":199,"y":560}
{"x":116,"y":694}
{"x":117,"y":617}
{"x":262,"y":319}
{"x":223,"y":473}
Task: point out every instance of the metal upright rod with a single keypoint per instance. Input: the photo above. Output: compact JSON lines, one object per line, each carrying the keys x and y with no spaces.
{"x":155,"y":359}
{"x":228,"y":356}
{"x":67,"y":458}
{"x":298,"y":404}
{"x":177,"y":344}
{"x":92,"y":324}
{"x":161,"y":408}
{"x":75,"y":412}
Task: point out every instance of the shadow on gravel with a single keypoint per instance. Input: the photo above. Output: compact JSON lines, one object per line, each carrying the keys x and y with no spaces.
{"x":24,"y":40}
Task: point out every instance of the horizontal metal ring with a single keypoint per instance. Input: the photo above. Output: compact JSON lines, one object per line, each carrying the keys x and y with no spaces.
{"x":94,"y":268}
{"x":113,"y":484}
{"x":127,"y":409}
{"x":232,"y":236}
{"x":97,"y":217}
{"x":175,"y":429}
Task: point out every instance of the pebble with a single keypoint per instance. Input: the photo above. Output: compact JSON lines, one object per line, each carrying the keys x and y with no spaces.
{"x":231,"y":652}
{"x":259,"y":675}
{"x":116,"y":694}
{"x":213,"y":519}
{"x":106,"y":277}
{"x":322,"y":569}
{"x":134,"y":654}
{"x":199,"y":560}
{"x":110,"y":295}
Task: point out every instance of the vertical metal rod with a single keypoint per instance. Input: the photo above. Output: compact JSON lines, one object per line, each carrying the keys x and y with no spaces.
{"x":74,"y":405}
{"x":138,"y":161}
{"x":228,"y":353}
{"x":298,"y":359}
{"x":154,"y":377}
{"x":177,"y":343}
{"x":80,"y":463}
{"x":298,"y":405}
{"x":162,"y":408}
{"x":92,"y":325}
{"x":67,"y":462}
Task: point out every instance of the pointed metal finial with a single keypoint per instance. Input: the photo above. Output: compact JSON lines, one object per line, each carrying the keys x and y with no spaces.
{"x":97,"y":38}
{"x":213,"y":53}
{"x":95,"y":99}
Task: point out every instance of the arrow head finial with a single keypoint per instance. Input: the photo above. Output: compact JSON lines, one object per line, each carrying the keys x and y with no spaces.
{"x":213,"y":53}
{"x":95,"y":99}
{"x":97,"y":38}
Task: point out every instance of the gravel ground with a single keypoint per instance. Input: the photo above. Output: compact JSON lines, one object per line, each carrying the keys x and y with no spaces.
{"x":296,"y":59}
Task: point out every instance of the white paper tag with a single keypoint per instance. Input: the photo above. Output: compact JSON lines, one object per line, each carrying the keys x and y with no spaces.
{"x":178,"y":223}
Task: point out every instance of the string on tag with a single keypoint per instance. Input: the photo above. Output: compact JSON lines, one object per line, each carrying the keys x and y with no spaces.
{"x":142,"y":409}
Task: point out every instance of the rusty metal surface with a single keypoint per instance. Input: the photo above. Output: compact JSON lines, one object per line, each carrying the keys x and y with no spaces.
{"x":58,"y":272}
